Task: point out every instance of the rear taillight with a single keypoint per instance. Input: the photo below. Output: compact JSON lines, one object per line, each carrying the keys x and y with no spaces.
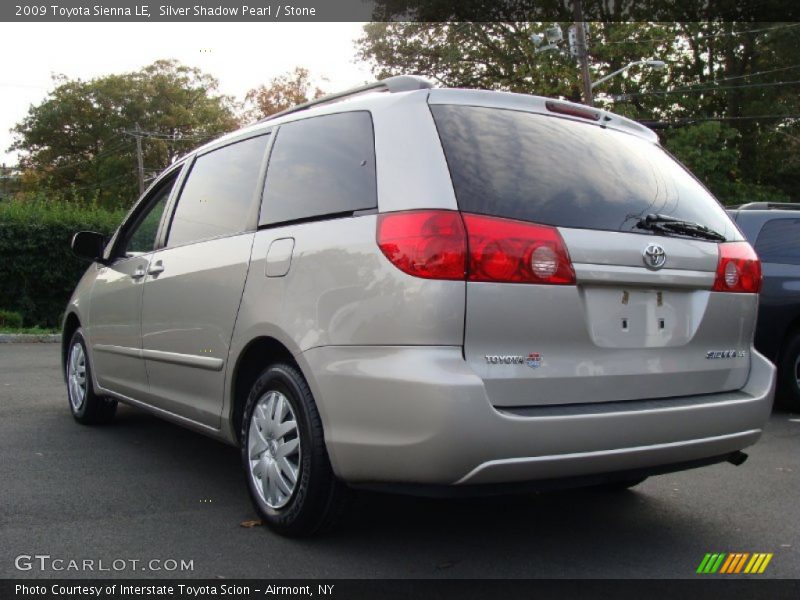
{"x":738,"y":269}
{"x":510,"y":251}
{"x":438,"y":244}
{"x":426,"y":243}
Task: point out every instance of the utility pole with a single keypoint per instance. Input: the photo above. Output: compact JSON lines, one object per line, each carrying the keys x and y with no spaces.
{"x":140,"y":158}
{"x":582,"y":51}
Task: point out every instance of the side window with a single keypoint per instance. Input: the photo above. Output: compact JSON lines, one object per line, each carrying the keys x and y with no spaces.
{"x":779,"y":242}
{"x":321,"y":166}
{"x":141,"y":238}
{"x":219,"y":192}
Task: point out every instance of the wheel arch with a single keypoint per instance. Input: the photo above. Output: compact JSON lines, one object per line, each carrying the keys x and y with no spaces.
{"x":259,"y":353}
{"x":71,"y":324}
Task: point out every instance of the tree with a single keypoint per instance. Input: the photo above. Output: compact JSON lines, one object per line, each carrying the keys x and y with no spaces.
{"x":712,"y":150}
{"x":501,"y":56}
{"x":80,"y":139}
{"x":743,"y":75}
{"x":282,"y":92}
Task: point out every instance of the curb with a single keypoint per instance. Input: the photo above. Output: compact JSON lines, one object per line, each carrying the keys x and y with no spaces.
{"x":29,"y":338}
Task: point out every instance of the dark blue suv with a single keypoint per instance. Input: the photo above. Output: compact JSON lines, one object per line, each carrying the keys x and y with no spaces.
{"x":774,"y":231}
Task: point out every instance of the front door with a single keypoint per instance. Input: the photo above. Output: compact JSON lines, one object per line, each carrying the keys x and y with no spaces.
{"x":115,"y":332}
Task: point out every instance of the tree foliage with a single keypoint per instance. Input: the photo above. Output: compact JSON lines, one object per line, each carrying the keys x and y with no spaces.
{"x":79,"y":138}
{"x":744,"y":77}
{"x":282,"y":92}
{"x":711,"y":148}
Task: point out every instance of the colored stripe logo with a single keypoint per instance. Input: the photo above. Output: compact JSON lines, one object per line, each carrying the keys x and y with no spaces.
{"x":734,"y":562}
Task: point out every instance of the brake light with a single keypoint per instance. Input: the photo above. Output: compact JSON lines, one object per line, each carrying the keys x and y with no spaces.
{"x":738,"y":269}
{"x":572,"y":110}
{"x":504,"y":250}
{"x":427,"y":243}
{"x":438,"y":244}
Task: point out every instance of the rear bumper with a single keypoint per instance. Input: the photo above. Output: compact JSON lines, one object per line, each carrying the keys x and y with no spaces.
{"x":420,"y":415}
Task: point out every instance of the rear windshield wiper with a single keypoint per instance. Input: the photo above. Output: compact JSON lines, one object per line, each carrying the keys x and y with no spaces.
{"x":666,"y":225}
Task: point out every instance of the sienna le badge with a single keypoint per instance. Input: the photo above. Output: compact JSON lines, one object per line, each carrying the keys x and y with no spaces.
{"x":534,"y":360}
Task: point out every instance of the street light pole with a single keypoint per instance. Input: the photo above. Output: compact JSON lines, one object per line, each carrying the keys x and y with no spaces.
{"x":579,"y":48}
{"x":582,"y":52}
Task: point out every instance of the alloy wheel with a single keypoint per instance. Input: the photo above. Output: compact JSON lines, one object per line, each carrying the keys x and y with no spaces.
{"x":76,"y":376}
{"x":274,"y":449}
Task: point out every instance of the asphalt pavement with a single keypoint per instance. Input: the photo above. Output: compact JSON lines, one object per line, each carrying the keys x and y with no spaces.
{"x":142,"y":489}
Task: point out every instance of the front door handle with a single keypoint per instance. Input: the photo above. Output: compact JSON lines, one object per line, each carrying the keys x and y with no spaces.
{"x":156,"y":268}
{"x":138,"y":273}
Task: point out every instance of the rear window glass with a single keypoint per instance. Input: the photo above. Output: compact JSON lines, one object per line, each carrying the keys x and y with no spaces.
{"x":779,"y":242}
{"x":321,"y":166}
{"x":555,"y":171}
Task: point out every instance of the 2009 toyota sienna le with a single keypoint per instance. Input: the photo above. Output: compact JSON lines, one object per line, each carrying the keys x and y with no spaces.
{"x":432,"y":291}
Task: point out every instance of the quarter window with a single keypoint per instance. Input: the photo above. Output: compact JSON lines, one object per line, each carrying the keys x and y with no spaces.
{"x":219,"y":193}
{"x":321,"y":166}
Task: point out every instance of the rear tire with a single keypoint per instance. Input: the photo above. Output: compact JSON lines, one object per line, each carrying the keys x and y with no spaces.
{"x":289,"y":475}
{"x":87,"y":407}
{"x":788,"y":393}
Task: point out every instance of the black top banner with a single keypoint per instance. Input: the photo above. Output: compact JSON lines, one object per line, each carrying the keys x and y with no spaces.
{"x":397,"y":10}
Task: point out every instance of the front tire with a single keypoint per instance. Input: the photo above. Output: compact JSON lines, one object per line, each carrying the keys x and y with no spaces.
{"x":289,"y":475}
{"x":87,"y":407}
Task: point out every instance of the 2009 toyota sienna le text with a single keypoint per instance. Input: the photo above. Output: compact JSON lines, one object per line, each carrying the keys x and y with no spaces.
{"x":427,"y":290}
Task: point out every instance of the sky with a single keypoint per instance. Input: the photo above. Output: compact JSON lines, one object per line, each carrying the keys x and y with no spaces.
{"x":240,"y":55}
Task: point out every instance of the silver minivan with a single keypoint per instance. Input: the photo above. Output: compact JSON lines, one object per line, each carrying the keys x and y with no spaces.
{"x":432,"y":291}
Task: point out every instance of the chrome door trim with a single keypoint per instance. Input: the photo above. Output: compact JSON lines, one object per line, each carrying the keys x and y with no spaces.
{"x":122,"y":350}
{"x":188,"y":360}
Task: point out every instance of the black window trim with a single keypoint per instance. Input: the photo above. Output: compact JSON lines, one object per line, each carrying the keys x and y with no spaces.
{"x":260,"y":225}
{"x":316,"y":218}
{"x":255,"y":205}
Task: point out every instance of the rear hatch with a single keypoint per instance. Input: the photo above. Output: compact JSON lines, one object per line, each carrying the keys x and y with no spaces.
{"x":631,"y":312}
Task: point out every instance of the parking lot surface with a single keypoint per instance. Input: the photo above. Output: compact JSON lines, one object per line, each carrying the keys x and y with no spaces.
{"x":142,"y":489}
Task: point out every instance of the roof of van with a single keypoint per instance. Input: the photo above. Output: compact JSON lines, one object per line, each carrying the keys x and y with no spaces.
{"x":375,"y":98}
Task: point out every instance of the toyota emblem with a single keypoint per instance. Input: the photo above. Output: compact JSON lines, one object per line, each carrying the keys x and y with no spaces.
{"x":654,"y":257}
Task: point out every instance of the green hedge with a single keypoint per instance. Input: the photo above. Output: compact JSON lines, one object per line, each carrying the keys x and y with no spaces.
{"x":10,"y":319}
{"x":37,"y":268}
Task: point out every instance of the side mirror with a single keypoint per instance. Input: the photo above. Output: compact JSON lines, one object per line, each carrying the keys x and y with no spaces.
{"x":88,"y":245}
